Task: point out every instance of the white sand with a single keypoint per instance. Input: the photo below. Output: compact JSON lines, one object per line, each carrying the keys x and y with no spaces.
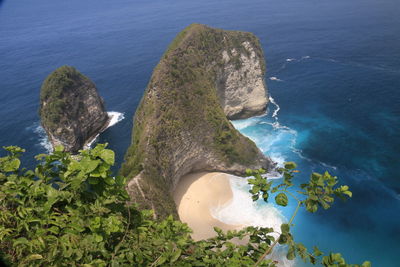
{"x":195,"y":195}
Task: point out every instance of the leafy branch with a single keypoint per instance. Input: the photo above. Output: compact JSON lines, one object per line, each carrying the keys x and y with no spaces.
{"x":71,"y":210}
{"x":320,"y":191}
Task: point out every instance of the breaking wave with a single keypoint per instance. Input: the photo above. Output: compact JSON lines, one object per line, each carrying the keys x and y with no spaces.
{"x":44,"y":140}
{"x":115,"y":117}
{"x":242,"y":210}
{"x":273,"y":78}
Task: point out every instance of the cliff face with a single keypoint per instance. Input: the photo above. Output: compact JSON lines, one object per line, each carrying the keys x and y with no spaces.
{"x":240,"y":82}
{"x":71,"y":111}
{"x":181,"y":124}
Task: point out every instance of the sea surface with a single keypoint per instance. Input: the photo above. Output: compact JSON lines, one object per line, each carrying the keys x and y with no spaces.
{"x":333,"y":73}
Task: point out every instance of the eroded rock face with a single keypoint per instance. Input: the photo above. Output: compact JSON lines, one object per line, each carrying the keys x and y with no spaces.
{"x":241,"y":87}
{"x":71,"y":110}
{"x":181,"y":124}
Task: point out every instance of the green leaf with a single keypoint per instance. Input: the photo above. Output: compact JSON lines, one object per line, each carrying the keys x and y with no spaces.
{"x":283,"y":238}
{"x":34,"y":257}
{"x":290,"y":165}
{"x":255,"y":189}
{"x":218,"y":230}
{"x":89,"y":165}
{"x":161,"y":260}
{"x":59,"y":148}
{"x":120,"y":180}
{"x":344,"y":188}
{"x":316,"y":177}
{"x":291,"y":253}
{"x":11,"y":165}
{"x":19,"y":241}
{"x":109,"y":181}
{"x":349,"y":193}
{"x":108,"y":156}
{"x":176,"y":254}
{"x":281,"y":199}
{"x":249,"y":172}
{"x":76,"y":227}
{"x":317,"y":252}
{"x":366,"y":264}
{"x":98,"y":238}
{"x":285,"y":228}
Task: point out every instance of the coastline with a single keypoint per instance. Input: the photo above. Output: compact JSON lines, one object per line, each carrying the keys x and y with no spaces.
{"x":196,"y":194}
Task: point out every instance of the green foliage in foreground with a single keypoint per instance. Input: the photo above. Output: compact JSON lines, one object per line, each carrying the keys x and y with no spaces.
{"x":69,"y":210}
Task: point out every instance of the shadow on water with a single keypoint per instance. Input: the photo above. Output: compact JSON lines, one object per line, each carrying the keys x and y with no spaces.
{"x":1,"y":2}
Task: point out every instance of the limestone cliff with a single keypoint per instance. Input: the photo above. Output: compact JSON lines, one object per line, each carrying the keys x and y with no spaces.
{"x":240,"y":82}
{"x":181,"y":124}
{"x":71,"y":110}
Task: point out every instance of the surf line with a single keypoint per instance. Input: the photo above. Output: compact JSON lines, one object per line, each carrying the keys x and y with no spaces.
{"x":44,"y":142}
{"x":275,"y":113}
{"x":115,"y":117}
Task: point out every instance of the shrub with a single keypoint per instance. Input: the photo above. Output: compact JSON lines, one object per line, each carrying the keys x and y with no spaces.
{"x":70,"y":210}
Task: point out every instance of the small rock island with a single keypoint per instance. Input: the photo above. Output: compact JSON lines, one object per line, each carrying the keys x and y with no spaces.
{"x":206,"y":77}
{"x":71,"y":110}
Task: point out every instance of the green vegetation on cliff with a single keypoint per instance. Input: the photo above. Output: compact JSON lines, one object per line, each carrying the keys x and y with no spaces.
{"x":60,"y":80}
{"x":70,"y":211}
{"x":71,"y":110}
{"x":180,"y":115}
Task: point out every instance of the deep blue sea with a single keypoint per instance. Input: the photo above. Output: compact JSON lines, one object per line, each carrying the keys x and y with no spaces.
{"x":333,"y":72}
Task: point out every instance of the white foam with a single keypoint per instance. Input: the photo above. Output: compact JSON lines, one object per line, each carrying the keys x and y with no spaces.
{"x":91,"y":142}
{"x":327,"y":165}
{"x":115,"y":117}
{"x":273,"y":78}
{"x":242,"y":124}
{"x":305,"y":57}
{"x":278,"y":159}
{"x":242,"y":210}
{"x":275,"y":113}
{"x":300,"y":154}
{"x":290,"y":59}
{"x":43,"y":139}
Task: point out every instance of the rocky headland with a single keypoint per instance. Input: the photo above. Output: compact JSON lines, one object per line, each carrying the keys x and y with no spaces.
{"x":71,"y":110}
{"x":205,"y":77}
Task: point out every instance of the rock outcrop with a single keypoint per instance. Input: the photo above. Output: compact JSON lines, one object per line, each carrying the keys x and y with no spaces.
{"x":181,"y":124}
{"x":71,"y":110}
{"x":240,"y":82}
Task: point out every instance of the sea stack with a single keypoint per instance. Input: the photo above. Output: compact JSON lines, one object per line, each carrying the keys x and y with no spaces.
{"x":71,"y":110}
{"x":205,"y":77}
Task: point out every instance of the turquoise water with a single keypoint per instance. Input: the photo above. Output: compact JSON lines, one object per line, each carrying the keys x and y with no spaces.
{"x":333,"y":68}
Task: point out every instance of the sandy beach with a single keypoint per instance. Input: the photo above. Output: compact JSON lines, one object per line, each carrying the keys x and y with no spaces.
{"x":196,"y":194}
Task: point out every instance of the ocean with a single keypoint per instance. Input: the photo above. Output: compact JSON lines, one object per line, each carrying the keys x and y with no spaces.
{"x":333,"y":73}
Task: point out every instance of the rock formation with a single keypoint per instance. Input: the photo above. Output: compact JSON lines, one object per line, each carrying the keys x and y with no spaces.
{"x":71,"y":110}
{"x":240,"y":82}
{"x":181,"y":124}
